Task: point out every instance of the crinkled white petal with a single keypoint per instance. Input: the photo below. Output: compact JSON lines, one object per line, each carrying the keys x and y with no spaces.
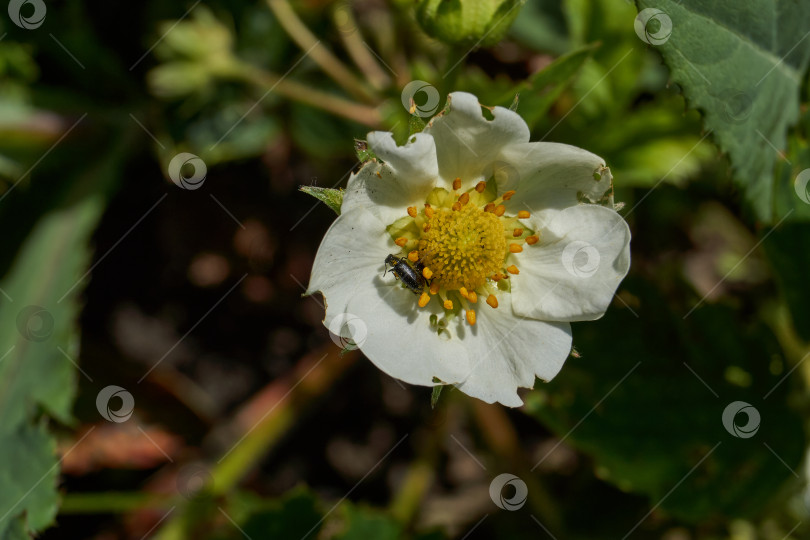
{"x":506,"y":352}
{"x":467,"y":143}
{"x":393,"y":332}
{"x":550,"y":177}
{"x":405,"y":179}
{"x":400,"y":341}
{"x":573,"y":272}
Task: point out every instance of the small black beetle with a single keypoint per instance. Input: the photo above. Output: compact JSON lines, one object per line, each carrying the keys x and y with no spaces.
{"x":403,"y":271}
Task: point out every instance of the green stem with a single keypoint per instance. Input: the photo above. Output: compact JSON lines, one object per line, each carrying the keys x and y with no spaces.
{"x":115,"y":502}
{"x":319,"y":54}
{"x":358,"y":51}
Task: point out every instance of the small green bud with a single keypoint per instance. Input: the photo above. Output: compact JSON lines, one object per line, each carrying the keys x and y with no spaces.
{"x":470,"y":23}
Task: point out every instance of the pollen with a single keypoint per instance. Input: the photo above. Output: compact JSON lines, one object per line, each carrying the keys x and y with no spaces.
{"x":471,"y":316}
{"x":464,"y":199}
{"x":463,"y":247}
{"x":515,"y":248}
{"x":457,"y":184}
{"x":427,"y":273}
{"x":401,"y":241}
{"x":428,"y":211}
{"x":472,"y":297}
{"x":448,"y":304}
{"x":518,"y":232}
{"x":508,"y":195}
{"x":412,"y":211}
{"x":523,"y":214}
{"x":532,"y":239}
{"x":499,"y":210}
{"x":413,"y":256}
{"x":480,"y":187}
{"x":424,"y":299}
{"x":492,"y":300}
{"x":513,"y":270}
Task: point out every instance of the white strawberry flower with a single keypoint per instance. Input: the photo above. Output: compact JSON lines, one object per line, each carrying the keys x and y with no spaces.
{"x":493,"y":244}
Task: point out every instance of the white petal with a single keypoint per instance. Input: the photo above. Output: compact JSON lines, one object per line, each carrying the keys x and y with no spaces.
{"x":355,"y":244}
{"x":507,"y":352}
{"x":389,"y":327}
{"x":467,"y":144}
{"x":573,"y":272}
{"x":405,"y":179}
{"x":549,"y":176}
{"x":400,"y":341}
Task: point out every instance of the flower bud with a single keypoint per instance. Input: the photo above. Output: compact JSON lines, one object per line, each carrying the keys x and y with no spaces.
{"x":467,"y":22}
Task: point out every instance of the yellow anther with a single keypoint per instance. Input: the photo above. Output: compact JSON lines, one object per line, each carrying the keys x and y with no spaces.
{"x":472,"y":297}
{"x":401,"y":241}
{"x":464,"y":199}
{"x":515,"y":248}
{"x":378,"y":174}
{"x":533,"y":239}
{"x":508,"y":195}
{"x":480,"y":187}
{"x":523,"y":214}
{"x":426,"y":228}
{"x":457,"y":183}
{"x":492,"y":300}
{"x":518,"y":232}
{"x":424,"y":299}
{"x":463,"y":291}
{"x":471,"y":316}
{"x":513,"y":270}
{"x":412,"y":211}
{"x":413,"y":256}
{"x":456,"y":206}
{"x":427,"y":273}
{"x":489,"y":207}
{"x":499,"y":210}
{"x":448,"y":304}
{"x":428,"y":210}
{"x":434,"y":287}
{"x":497,"y":277}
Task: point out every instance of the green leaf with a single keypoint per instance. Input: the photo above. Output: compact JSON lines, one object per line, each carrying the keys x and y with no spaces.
{"x":633,"y":402}
{"x":742,"y":64}
{"x":293,"y":516}
{"x":415,"y":124}
{"x":364,"y":523}
{"x":28,"y":474}
{"x":40,"y":304}
{"x":332,"y":198}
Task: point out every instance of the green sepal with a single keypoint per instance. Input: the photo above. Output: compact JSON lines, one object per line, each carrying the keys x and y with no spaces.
{"x":333,"y":198}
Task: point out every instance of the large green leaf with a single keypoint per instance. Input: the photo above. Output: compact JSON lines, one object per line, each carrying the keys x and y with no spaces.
{"x":635,"y":401}
{"x":741,"y":63}
{"x":38,"y":337}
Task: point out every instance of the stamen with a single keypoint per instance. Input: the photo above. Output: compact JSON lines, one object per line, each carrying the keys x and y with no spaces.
{"x":426,"y":228}
{"x":513,"y":270}
{"x":472,"y":297}
{"x":492,"y":300}
{"x":413,"y":256}
{"x":508,"y":195}
{"x":428,"y":210}
{"x":480,"y":187}
{"x":523,"y":214}
{"x":427,"y":272}
{"x":519,"y":232}
{"x":401,"y":241}
{"x":464,"y":199}
{"x":434,"y":287}
{"x":463,"y":292}
{"x":533,"y":239}
{"x":424,"y":299}
{"x":490,"y":207}
{"x":448,"y":304}
{"x":499,"y":210}
{"x":456,"y":206}
{"x":515,"y":248}
{"x":471,"y":316}
{"x":457,"y":184}
{"x":412,"y":211}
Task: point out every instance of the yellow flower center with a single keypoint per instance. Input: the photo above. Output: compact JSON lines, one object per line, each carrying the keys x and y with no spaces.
{"x":463,"y":248}
{"x":459,"y":246}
